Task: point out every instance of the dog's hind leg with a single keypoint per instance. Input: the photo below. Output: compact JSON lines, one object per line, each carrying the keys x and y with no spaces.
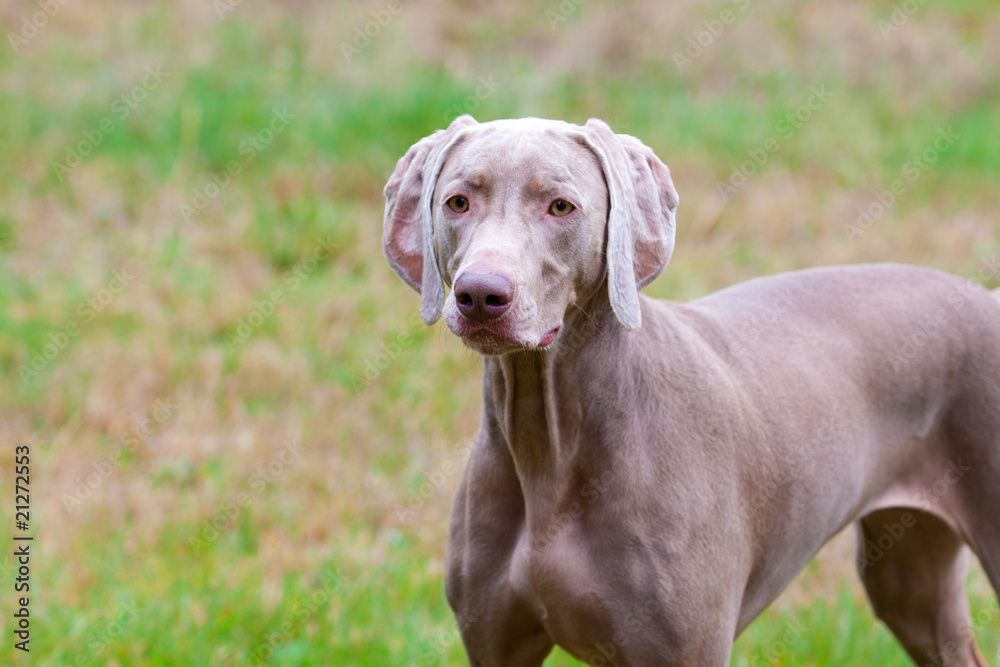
{"x":972,"y":427}
{"x":913,"y":566}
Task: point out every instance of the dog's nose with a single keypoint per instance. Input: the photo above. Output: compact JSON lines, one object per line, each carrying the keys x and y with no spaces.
{"x":483,"y":296}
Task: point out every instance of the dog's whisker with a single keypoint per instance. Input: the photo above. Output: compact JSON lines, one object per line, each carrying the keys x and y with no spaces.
{"x":580,"y":308}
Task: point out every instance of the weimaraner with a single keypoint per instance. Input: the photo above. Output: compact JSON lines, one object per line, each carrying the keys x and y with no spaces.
{"x":648,"y":476}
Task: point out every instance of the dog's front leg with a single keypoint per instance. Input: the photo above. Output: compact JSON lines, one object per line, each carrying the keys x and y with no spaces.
{"x":498,"y":627}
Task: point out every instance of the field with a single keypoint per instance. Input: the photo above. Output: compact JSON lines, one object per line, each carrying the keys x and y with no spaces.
{"x":243,"y":443}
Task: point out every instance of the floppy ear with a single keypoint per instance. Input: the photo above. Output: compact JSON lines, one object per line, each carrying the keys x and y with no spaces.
{"x":408,"y":224}
{"x":640,"y":219}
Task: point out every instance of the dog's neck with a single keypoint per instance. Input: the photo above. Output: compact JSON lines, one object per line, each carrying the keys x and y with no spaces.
{"x":533,"y":401}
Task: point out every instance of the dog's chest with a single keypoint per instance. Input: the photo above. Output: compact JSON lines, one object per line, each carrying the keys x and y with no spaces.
{"x":520,"y":575}
{"x":553,"y":571}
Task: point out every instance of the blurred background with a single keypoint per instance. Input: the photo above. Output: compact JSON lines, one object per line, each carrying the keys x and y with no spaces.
{"x":244,"y":444}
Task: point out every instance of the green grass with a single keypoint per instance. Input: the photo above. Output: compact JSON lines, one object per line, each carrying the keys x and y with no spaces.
{"x":222,"y":608}
{"x":316,"y":567}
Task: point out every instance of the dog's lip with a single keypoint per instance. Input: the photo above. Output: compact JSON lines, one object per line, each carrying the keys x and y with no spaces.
{"x":499,"y":336}
{"x":496,"y":332}
{"x":465,"y":327}
{"x":490,"y":341}
{"x":549,"y":337}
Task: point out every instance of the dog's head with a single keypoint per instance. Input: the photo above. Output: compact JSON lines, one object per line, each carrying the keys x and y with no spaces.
{"x":522,"y":219}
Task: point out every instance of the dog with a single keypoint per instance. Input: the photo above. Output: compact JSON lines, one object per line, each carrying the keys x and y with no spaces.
{"x":648,"y":476}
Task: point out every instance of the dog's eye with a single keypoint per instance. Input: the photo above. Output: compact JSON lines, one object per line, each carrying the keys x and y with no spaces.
{"x":458,"y":204}
{"x":561,"y":207}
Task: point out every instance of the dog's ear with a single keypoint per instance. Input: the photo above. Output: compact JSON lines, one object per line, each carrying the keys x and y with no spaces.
{"x":408,"y":224}
{"x":640,"y":219}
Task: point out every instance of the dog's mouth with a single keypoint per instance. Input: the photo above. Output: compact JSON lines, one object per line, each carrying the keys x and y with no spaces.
{"x":496,"y":338}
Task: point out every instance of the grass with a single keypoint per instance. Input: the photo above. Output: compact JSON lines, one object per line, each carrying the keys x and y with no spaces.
{"x":295,"y":406}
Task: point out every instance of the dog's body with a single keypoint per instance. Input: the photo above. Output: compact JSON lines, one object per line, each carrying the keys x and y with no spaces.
{"x":638,"y":497}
